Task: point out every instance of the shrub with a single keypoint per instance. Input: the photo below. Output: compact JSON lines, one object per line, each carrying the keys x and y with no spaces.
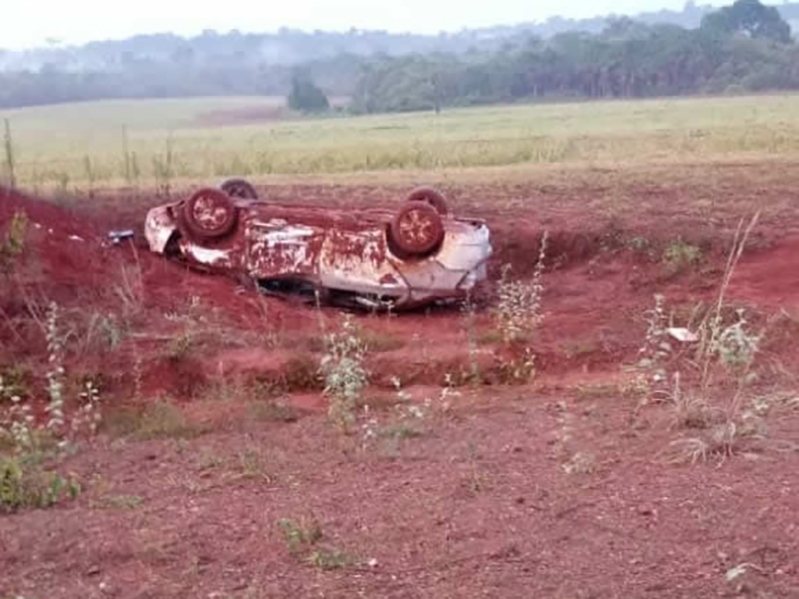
{"x":344,"y":372}
{"x":25,"y":484}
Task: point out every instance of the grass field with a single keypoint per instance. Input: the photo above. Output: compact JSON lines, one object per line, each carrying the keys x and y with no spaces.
{"x":139,"y":141}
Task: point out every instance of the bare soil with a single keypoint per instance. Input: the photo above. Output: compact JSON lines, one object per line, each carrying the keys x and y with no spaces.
{"x":560,"y":488}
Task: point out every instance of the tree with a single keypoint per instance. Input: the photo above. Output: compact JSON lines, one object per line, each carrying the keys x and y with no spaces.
{"x":305,"y":96}
{"x":751,"y":18}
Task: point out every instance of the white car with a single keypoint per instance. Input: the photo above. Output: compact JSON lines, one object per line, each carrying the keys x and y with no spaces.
{"x":418,"y":254}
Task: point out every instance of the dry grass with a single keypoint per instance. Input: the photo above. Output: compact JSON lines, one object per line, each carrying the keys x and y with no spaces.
{"x":108,"y":135}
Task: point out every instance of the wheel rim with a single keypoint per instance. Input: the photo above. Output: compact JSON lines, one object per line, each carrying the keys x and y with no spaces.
{"x":418,"y":229}
{"x":210,"y":213}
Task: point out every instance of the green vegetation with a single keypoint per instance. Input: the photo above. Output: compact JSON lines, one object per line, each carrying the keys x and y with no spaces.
{"x":305,"y":96}
{"x":51,"y":142}
{"x":744,"y":47}
{"x":24,"y":483}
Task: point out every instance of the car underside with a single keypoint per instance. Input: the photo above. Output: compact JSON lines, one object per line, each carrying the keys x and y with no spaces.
{"x":417,"y":255}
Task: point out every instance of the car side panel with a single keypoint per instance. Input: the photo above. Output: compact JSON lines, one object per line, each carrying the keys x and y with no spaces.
{"x":276,"y":248}
{"x":360,"y":261}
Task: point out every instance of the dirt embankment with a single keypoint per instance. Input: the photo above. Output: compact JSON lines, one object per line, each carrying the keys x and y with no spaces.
{"x":601,"y":276}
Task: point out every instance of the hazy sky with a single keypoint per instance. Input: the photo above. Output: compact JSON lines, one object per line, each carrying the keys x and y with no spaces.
{"x":25,"y":23}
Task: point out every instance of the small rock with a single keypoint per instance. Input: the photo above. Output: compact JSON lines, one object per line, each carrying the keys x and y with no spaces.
{"x":93,"y":571}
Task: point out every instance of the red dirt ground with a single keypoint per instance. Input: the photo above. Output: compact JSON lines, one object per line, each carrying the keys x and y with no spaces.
{"x":480,"y":503}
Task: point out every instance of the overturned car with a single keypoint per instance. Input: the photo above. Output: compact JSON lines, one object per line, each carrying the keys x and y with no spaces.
{"x":419,"y":254}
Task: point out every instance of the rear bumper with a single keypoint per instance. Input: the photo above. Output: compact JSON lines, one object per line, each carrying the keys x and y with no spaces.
{"x":159,"y":226}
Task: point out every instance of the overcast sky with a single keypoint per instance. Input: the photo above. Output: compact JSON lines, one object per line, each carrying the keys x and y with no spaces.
{"x":26,"y":23}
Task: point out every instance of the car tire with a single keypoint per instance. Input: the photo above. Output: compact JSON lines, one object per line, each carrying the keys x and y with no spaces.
{"x":417,"y":229}
{"x":239,"y":188}
{"x":208,"y":214}
{"x":430,"y":196}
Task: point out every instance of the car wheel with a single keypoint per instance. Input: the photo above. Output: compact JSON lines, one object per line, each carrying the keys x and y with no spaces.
{"x":208,"y":214}
{"x":239,"y":188}
{"x":417,"y":229}
{"x":430,"y":196}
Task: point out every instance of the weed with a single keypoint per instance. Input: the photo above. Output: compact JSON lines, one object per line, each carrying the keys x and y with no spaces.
{"x":130,"y":289}
{"x":251,"y":464}
{"x":518,"y":314}
{"x":271,"y":410}
{"x":191,"y":319}
{"x":580,"y":463}
{"x":8,"y":145}
{"x":680,"y":255}
{"x":519,"y":369}
{"x":729,"y":347}
{"x":164,"y":420}
{"x":163,"y":169}
{"x":656,"y":348}
{"x":21,"y":425}
{"x":127,"y":502}
{"x":14,"y":383}
{"x":13,"y":243}
{"x":24,"y":483}
{"x":103,"y":333}
{"x":300,"y":373}
{"x":519,"y":306}
{"x":329,"y":559}
{"x":377,"y":342}
{"x":299,"y":535}
{"x":88,"y":415}
{"x":399,"y":431}
{"x":55,"y":376}
{"x":344,"y":372}
{"x":468,"y":309}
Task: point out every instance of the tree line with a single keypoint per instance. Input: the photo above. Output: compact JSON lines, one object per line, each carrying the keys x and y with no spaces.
{"x":743,"y":47}
{"x":746,"y":47}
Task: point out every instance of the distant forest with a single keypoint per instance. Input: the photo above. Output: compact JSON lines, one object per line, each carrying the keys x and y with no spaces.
{"x":744,"y":47}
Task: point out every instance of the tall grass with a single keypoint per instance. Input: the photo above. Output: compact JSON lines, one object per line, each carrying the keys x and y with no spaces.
{"x":8,"y":146}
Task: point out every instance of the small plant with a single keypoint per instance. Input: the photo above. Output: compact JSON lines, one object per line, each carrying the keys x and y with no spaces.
{"x":344,"y":372}
{"x":8,"y":145}
{"x":91,"y":174}
{"x":25,"y":484}
{"x":680,"y":255}
{"x":329,"y":559}
{"x":656,"y":348}
{"x":580,"y":463}
{"x":163,"y":169}
{"x":55,"y":376}
{"x":302,"y":537}
{"x":13,"y":244}
{"x":191,"y":319}
{"x":519,"y":369}
{"x":298,"y":535}
{"x":252,"y":464}
{"x":88,"y":415}
{"x":22,"y":425}
{"x":473,"y":375}
{"x":721,"y":347}
{"x":162,"y":420}
{"x":271,"y":410}
{"x":519,"y":307}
